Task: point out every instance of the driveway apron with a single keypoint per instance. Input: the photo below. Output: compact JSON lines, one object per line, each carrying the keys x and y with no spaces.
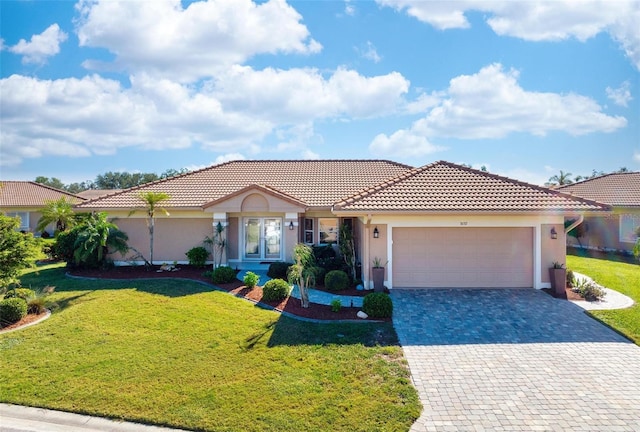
{"x":515,"y":360}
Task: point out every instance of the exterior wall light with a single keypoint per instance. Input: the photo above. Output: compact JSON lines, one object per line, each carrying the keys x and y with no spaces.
{"x":554,"y":233}
{"x":291,"y":225}
{"x":376,"y":233}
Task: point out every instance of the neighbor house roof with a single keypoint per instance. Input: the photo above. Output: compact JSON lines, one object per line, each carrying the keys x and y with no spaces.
{"x":617,"y":189}
{"x":317,"y":183}
{"x":447,"y":187}
{"x":31,"y":194}
{"x":96,"y":193}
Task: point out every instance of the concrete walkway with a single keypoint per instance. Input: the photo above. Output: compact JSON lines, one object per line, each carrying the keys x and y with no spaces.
{"x":16,"y":418}
{"x":515,"y":360}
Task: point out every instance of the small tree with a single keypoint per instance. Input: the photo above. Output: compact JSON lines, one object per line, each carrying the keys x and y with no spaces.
{"x":151,"y":201}
{"x":636,"y":248}
{"x":96,"y":238}
{"x":348,"y":249}
{"x":60,"y":212}
{"x":303,"y":271}
{"x":18,"y":251}
{"x":218,"y":243}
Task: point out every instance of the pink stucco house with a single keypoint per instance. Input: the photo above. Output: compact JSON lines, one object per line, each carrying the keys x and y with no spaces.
{"x":439,"y":225}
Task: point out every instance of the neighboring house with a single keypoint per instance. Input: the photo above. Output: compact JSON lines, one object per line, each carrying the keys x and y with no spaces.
{"x":441,"y":225}
{"x":615,"y":231}
{"x":96,"y":193}
{"x":25,"y":199}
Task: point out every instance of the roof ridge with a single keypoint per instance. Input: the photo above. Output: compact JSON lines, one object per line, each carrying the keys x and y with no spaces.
{"x":52,"y":188}
{"x":596,"y":178}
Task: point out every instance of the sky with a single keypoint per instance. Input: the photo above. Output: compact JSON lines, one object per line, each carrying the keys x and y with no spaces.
{"x":525,"y":89}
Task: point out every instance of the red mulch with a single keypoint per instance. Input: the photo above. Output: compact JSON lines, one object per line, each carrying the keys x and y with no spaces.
{"x":290,"y":305}
{"x":569,"y":294}
{"x":24,"y":321}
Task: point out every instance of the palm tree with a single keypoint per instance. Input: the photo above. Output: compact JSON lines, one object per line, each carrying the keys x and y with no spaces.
{"x":561,"y":179}
{"x":59,"y":212}
{"x":151,"y":201}
{"x":96,"y":238}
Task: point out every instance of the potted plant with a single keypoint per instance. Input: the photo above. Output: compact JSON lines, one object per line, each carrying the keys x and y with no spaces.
{"x":377,"y":274}
{"x":558,"y":276}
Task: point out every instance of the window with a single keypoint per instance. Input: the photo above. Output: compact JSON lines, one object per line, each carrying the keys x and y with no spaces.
{"x":24,"y":219}
{"x":328,"y":230}
{"x":308,"y":231}
{"x":629,"y":223}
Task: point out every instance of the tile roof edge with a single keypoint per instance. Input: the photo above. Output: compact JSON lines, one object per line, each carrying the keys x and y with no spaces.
{"x":269,"y":189}
{"x":597,"y":178}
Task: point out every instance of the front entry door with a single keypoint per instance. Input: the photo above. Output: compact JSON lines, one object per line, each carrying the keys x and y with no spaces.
{"x":263,"y":238}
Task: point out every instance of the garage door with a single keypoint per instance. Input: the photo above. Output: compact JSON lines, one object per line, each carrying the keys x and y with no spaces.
{"x":462,"y":257}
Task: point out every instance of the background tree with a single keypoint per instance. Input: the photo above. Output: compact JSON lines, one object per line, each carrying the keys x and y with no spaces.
{"x":18,"y":251}
{"x":59,"y":212}
{"x":151,"y":201}
{"x":636,"y":247}
{"x":560,"y":179}
{"x":51,"y":182}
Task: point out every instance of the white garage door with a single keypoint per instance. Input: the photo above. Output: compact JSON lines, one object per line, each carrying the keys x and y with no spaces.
{"x":462,"y":257}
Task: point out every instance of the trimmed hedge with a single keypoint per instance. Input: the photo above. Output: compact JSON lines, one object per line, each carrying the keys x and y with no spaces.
{"x":336,"y":280}
{"x":377,"y":305}
{"x":275,"y":289}
{"x":12,"y":310}
{"x":197,"y":256}
{"x":278,"y":270}
{"x":223,"y":274}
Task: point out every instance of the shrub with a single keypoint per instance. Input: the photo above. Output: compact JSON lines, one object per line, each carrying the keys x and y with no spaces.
{"x":251,"y":279}
{"x":275,"y":289}
{"x":571,"y":279}
{"x":590,"y":290}
{"x":336,"y":280}
{"x":318,"y":275}
{"x":336,"y":305}
{"x":377,"y":305}
{"x":23,"y":293}
{"x":223,"y":274}
{"x":36,"y":305}
{"x":12,"y":310}
{"x":197,"y":256}
{"x":278,"y":270}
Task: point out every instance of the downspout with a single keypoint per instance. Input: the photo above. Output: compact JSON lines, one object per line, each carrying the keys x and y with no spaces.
{"x":575,"y":224}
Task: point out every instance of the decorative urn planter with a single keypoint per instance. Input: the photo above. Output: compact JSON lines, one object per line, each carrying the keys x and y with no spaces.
{"x":558,"y":277}
{"x":377,"y":273}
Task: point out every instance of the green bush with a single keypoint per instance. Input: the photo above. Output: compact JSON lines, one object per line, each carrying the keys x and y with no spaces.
{"x":251,"y":279}
{"x":571,"y":279}
{"x":23,"y":293}
{"x":336,"y":305}
{"x":336,"y":280}
{"x":197,"y":256}
{"x":275,"y":289}
{"x":318,"y":275}
{"x":590,"y":290}
{"x":36,"y":305}
{"x":12,"y":310}
{"x":278,"y":270}
{"x":377,"y":305}
{"x":223,"y":274}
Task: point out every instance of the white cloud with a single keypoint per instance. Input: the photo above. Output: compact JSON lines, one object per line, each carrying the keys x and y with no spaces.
{"x":165,"y":39}
{"x":349,"y":8}
{"x":229,"y":157}
{"x":41,"y":47}
{"x":231,"y":114}
{"x":537,"y":20}
{"x":369,"y":52}
{"x":620,"y":96}
{"x":636,"y":156}
{"x":492,"y":104}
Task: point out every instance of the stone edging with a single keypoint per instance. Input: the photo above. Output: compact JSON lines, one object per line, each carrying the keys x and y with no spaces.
{"x":38,"y":321}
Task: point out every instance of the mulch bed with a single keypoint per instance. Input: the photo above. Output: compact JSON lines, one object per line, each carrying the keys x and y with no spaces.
{"x":23,"y":322}
{"x":290,"y":305}
{"x":569,"y":294}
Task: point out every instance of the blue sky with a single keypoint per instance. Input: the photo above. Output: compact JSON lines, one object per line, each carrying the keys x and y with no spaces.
{"x":525,"y":88}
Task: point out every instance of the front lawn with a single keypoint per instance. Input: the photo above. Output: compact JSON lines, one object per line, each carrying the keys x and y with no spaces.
{"x":620,"y":276}
{"x":177,"y":353}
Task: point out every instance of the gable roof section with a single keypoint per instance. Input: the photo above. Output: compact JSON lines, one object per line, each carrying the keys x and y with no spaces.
{"x":318,"y":183}
{"x":31,"y":194}
{"x":261,"y":188}
{"x":447,"y":187}
{"x":96,"y":193}
{"x":617,"y":189}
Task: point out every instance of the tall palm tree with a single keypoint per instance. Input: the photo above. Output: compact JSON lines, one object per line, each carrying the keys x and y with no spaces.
{"x":59,"y":212}
{"x":561,"y":179}
{"x":151,"y":201}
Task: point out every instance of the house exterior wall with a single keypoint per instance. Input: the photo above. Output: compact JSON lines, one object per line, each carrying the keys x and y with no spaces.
{"x":603,"y":232}
{"x":545,"y":251}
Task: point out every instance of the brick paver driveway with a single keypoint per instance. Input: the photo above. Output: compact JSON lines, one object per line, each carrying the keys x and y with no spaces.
{"x":515,"y":360}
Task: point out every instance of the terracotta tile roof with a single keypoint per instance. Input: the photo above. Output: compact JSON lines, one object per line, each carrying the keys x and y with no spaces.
{"x":96,"y":193}
{"x":447,"y":187}
{"x":318,"y":183}
{"x":264,"y":188}
{"x":30,"y":194}
{"x":617,"y":189}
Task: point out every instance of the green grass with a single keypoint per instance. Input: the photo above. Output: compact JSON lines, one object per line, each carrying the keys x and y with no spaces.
{"x":620,"y":276}
{"x":177,"y":353}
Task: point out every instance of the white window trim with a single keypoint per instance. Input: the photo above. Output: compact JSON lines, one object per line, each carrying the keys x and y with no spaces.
{"x":24,"y":219}
{"x":634,"y":221}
